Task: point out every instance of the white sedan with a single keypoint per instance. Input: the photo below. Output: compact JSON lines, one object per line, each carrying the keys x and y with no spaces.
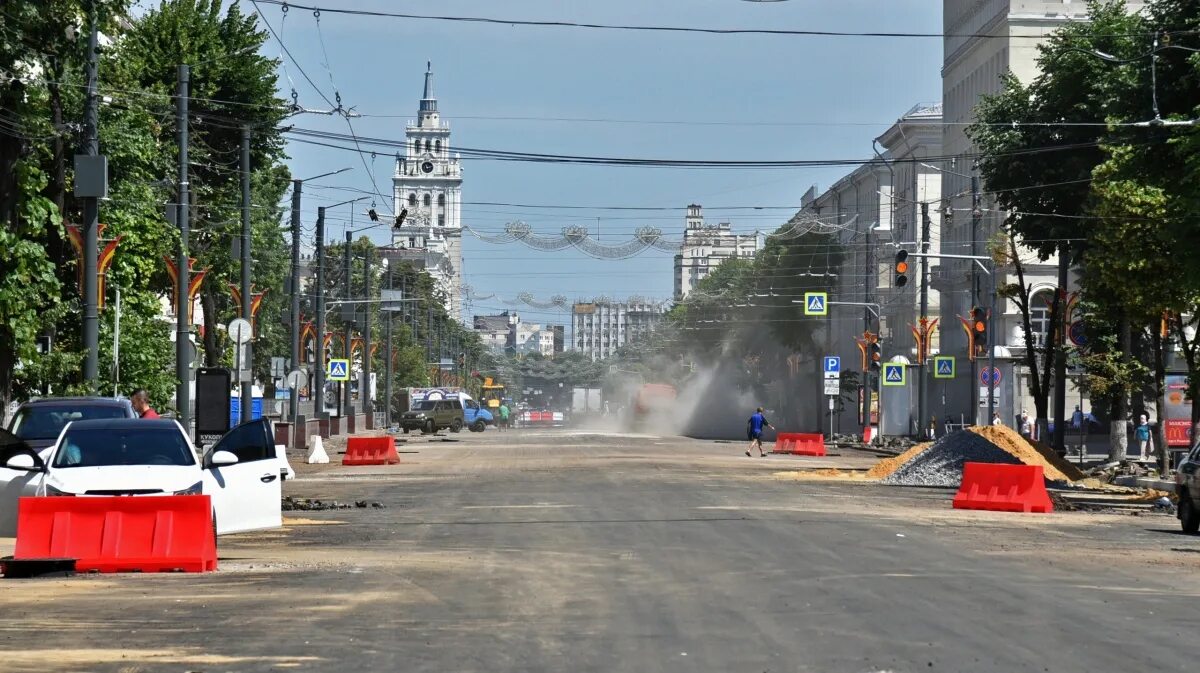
{"x":241,"y":472}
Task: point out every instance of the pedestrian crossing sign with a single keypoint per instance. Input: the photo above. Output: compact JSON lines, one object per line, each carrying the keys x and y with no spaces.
{"x":816,"y":303}
{"x":943,"y":367}
{"x":893,"y":375}
{"x":339,"y":370}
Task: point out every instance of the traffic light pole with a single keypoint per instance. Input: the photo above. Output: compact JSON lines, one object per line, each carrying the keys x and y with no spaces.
{"x":875,"y":310}
{"x":922,"y":385}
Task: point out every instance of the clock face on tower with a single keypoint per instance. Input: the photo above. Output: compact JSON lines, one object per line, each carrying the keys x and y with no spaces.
{"x":427,"y":166}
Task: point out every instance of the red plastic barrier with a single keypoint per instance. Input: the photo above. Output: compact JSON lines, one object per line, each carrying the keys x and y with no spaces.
{"x":370,"y":451}
{"x":119,"y":533}
{"x":1003,"y":488}
{"x":800,"y":444}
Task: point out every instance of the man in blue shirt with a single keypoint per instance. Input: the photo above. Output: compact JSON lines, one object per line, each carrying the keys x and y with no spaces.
{"x":754,"y":430}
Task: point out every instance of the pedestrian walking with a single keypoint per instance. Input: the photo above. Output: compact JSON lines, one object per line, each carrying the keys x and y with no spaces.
{"x":1142,"y":434}
{"x":140,"y":400}
{"x":996,"y":418}
{"x":504,"y":414}
{"x":1026,"y":428}
{"x":754,"y":429}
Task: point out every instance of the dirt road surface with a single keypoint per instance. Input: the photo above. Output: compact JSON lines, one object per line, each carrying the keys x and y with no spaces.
{"x":567,"y":551}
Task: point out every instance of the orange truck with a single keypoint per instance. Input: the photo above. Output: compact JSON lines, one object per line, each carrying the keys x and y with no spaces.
{"x":653,"y":405}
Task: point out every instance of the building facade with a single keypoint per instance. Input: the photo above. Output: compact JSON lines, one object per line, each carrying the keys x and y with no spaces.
{"x":599,"y":328}
{"x":495,"y":331}
{"x":984,"y":40}
{"x":427,"y":186}
{"x":705,"y":247}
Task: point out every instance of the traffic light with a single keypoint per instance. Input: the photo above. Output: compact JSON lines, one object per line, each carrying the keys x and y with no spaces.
{"x":400,"y":218}
{"x":979,"y":328}
{"x":875,"y":355}
{"x":901,"y":269}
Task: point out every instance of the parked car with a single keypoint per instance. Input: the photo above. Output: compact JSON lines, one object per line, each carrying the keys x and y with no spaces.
{"x":39,"y":422}
{"x":429,"y":416}
{"x":138,"y":457}
{"x":1187,"y":487}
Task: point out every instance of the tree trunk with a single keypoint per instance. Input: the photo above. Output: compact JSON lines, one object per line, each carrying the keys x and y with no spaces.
{"x":1037,"y":382}
{"x":1118,"y":439}
{"x":212,"y":352}
{"x":1160,"y":400}
{"x":11,"y":96}
{"x":1059,"y":325}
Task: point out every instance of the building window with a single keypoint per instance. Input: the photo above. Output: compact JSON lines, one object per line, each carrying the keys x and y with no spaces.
{"x":441,"y":219}
{"x":442,"y":200}
{"x":437,"y":146}
{"x":428,"y":201}
{"x":1039,"y":317}
{"x":412,"y":200}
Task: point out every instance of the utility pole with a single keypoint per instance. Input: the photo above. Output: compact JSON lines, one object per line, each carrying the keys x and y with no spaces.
{"x":991,"y":389}
{"x":294,"y":396}
{"x":183,"y":328}
{"x":1060,"y":351}
{"x":91,"y":213}
{"x":319,"y":348}
{"x":976,"y":216}
{"x":247,"y":401}
{"x":365,"y":391}
{"x":387,"y":356}
{"x":922,"y":384}
{"x":348,"y":319}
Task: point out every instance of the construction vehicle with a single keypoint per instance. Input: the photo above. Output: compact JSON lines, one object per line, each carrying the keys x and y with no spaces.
{"x":493,"y":393}
{"x":652,"y":406}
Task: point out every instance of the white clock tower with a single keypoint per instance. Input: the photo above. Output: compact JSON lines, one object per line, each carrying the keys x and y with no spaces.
{"x":428,"y":183}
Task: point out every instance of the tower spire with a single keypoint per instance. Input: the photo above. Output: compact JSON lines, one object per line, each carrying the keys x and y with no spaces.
{"x":428,"y":102}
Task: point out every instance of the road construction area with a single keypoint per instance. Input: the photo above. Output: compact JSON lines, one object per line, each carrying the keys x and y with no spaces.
{"x":556,"y":550}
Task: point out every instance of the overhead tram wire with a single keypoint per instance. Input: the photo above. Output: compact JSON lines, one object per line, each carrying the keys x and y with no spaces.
{"x":665,"y":29}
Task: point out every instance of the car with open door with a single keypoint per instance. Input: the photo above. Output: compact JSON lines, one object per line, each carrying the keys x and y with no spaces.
{"x":139,"y":457}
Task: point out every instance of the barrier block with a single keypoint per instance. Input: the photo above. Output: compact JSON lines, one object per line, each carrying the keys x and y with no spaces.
{"x":1003,"y":488}
{"x":800,"y":444}
{"x":111,"y":534}
{"x":370,"y":451}
{"x":317,"y":455}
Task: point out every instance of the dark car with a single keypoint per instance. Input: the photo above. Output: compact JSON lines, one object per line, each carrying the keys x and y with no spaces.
{"x":38,"y":422}
{"x":429,"y":416}
{"x":1187,"y":487}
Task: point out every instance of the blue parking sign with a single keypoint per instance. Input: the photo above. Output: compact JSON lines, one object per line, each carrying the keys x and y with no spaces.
{"x":833,"y":364}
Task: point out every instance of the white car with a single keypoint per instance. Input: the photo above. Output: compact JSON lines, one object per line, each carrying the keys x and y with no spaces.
{"x":241,"y":472}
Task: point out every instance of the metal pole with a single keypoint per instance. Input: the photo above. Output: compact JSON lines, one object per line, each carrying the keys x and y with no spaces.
{"x":294,"y":396}
{"x":364,"y":395}
{"x":247,"y":403}
{"x":992,"y":351}
{"x":387,"y":360}
{"x":976,"y":216}
{"x":1060,"y":351}
{"x":91,"y":216}
{"x":116,"y":370}
{"x":347,"y":410}
{"x":183,"y":328}
{"x":922,"y":384}
{"x":318,"y":389}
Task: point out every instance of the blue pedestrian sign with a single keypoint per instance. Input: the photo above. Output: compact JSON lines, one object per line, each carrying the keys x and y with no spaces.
{"x":833,"y":364}
{"x":893,"y":375}
{"x":816,"y":303}
{"x":339,"y":370}
{"x":943,"y":367}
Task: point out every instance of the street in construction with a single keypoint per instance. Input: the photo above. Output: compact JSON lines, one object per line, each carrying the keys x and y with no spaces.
{"x":559,"y":550}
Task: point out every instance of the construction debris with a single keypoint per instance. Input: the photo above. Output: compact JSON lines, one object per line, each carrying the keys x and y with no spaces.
{"x":942,"y":463}
{"x":887,"y":466}
{"x":290,"y":504}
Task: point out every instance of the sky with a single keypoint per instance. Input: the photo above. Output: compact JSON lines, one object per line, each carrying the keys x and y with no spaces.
{"x":662,"y":95}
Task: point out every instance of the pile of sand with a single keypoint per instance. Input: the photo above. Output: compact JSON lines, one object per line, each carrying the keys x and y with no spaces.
{"x":940,"y":463}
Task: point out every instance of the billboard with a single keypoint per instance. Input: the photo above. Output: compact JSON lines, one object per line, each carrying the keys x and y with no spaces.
{"x":1179,"y":412}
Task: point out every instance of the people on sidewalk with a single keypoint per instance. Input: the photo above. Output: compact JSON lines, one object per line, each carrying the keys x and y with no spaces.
{"x":754,"y":429}
{"x":1142,"y":434}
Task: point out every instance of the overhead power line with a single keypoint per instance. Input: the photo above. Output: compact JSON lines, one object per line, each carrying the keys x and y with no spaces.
{"x":782,"y":32}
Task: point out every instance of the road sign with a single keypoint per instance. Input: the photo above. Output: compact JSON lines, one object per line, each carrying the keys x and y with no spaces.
{"x":832,"y":365}
{"x":1077,"y":334}
{"x":994,"y":376}
{"x":833,"y":386}
{"x":240,"y":330}
{"x":983,"y":398}
{"x":338,"y":370}
{"x":297,"y":379}
{"x":943,"y":367}
{"x":893,"y":375}
{"x":816,"y":303}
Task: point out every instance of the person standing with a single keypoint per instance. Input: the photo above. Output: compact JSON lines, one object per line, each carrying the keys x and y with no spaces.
{"x":1026,"y":428}
{"x":1142,"y":434}
{"x":754,"y":429}
{"x":140,"y":401}
{"x":504,"y":414}
{"x":996,"y":418}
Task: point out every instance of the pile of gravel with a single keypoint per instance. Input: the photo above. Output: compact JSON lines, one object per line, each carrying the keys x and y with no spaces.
{"x":290,"y":504}
{"x":942,"y":463}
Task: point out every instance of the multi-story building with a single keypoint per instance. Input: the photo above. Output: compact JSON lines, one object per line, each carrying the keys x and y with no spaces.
{"x":984,"y":40}
{"x":875,"y":210}
{"x":705,"y":246}
{"x":506,"y":333}
{"x":428,"y":185}
{"x":496,"y":330}
{"x":600,"y":328}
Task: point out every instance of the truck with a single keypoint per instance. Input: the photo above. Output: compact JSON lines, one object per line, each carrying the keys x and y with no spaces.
{"x":652,"y":406}
{"x":476,"y":417}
